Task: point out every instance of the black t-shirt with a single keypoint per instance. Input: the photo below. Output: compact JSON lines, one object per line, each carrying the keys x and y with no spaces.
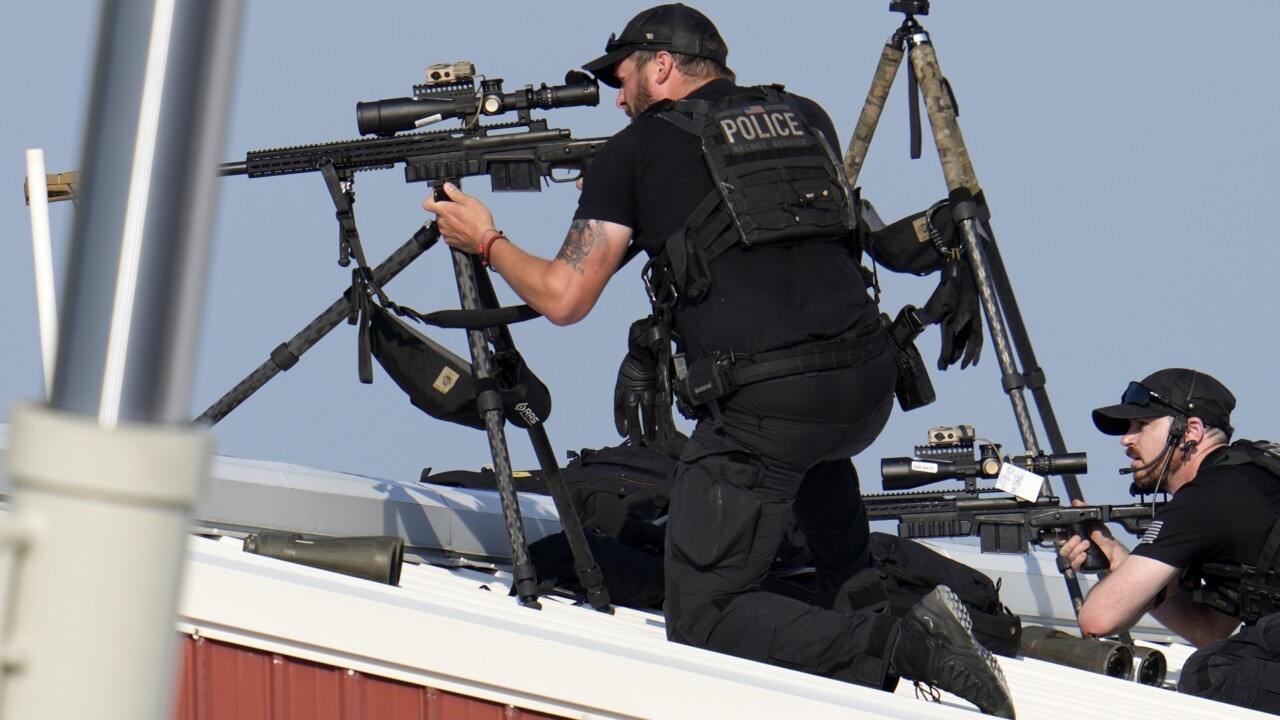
{"x":1222,"y":516}
{"x":650,"y":177}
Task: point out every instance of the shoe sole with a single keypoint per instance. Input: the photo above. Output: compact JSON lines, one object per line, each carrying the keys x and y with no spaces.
{"x":944,"y":600}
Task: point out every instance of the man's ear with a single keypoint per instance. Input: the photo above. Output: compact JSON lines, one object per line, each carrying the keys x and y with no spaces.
{"x":1193,"y":434}
{"x":665,"y":65}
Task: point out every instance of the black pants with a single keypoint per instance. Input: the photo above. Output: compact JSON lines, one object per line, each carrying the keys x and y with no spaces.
{"x":1243,"y":669}
{"x":783,"y":447}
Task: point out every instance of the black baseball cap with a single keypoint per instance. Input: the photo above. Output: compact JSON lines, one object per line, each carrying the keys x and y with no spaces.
{"x":1175,"y":391}
{"x":675,"y":28}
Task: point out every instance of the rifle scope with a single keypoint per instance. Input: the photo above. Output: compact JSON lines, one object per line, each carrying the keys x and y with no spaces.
{"x":934,"y":463}
{"x":433,"y":103}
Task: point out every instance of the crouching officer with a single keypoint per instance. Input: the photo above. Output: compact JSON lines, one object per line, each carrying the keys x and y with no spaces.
{"x":738,"y":198}
{"x":1209,"y":560}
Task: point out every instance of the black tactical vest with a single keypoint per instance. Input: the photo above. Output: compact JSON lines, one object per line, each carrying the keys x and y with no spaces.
{"x":1247,"y":592}
{"x":776,"y":181}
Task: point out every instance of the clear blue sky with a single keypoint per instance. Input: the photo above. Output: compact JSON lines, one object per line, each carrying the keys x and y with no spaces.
{"x":1127,"y":150}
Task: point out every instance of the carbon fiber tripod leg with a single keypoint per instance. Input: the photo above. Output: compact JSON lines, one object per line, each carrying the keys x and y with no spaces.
{"x":994,"y":288}
{"x":962,"y":182}
{"x":489,"y":402}
{"x":287,"y":353}
{"x":589,"y":575}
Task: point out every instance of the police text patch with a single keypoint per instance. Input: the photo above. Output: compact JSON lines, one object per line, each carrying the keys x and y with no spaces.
{"x":762,"y":126}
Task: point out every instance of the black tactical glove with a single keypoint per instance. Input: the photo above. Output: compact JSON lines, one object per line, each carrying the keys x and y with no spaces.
{"x":642,"y":395}
{"x":634,"y":397}
{"x":954,"y":307}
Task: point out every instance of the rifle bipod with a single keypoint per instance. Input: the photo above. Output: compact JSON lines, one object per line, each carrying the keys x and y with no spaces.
{"x":288,"y":353}
{"x":972,"y":217}
{"x":475,"y":292}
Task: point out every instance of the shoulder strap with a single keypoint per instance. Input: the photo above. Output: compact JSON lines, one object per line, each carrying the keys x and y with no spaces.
{"x":1263,"y":453}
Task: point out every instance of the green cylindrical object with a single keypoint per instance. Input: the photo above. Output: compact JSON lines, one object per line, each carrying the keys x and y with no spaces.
{"x":370,"y":558}
{"x":1100,"y":656}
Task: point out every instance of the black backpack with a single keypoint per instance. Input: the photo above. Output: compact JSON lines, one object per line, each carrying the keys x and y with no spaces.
{"x":622,"y":494}
{"x":904,"y":571}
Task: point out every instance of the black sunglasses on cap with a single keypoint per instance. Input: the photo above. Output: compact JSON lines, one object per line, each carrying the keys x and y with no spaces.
{"x":1142,"y":396}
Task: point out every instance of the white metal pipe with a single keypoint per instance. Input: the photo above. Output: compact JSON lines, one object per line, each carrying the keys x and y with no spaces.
{"x":42,"y":252}
{"x":91,"y":612}
{"x":106,"y":477}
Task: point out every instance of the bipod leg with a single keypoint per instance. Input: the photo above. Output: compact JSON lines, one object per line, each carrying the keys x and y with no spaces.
{"x":589,"y":574}
{"x":964,"y":190}
{"x":489,"y":402}
{"x":286,"y":355}
{"x":584,"y":563}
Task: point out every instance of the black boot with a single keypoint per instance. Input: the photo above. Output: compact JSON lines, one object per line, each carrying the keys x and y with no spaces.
{"x":935,"y":646}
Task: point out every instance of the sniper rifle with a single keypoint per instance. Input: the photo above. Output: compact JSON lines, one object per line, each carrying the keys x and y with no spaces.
{"x":1003,"y":524}
{"x":516,"y":155}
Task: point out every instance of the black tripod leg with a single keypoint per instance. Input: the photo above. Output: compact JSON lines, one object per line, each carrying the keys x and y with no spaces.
{"x":489,"y":402}
{"x":589,"y":574}
{"x":286,"y":355}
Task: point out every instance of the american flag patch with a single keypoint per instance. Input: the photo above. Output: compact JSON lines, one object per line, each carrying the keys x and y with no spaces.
{"x":1153,"y":531}
{"x":754,"y":109}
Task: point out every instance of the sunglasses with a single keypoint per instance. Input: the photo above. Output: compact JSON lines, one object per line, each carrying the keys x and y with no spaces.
{"x":1143,"y":396}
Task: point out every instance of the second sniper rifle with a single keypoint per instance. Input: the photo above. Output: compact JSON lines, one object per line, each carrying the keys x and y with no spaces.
{"x":1003,"y":524}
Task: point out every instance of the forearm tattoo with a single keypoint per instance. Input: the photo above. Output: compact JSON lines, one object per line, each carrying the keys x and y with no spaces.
{"x":583,"y":236}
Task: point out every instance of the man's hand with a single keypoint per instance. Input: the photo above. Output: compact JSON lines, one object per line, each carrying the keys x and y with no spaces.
{"x":464,"y":222}
{"x":1074,"y":549}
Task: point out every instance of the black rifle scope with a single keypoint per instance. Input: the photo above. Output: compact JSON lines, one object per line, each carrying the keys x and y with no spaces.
{"x":934,"y":463}
{"x":434,"y":102}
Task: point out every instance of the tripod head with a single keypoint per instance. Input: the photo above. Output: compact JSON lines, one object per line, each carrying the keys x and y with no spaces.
{"x":909,"y":7}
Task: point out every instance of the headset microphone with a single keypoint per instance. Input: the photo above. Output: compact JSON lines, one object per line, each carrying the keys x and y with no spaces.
{"x":1158,"y":458}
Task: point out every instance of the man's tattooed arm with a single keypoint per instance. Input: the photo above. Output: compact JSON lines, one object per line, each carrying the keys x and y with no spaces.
{"x":583,"y":236}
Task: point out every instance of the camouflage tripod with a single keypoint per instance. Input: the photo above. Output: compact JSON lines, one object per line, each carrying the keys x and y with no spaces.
{"x":972,"y":217}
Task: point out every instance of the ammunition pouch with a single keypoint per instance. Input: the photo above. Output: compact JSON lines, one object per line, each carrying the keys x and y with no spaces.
{"x":442,"y":385}
{"x":1251,"y":600}
{"x":717,"y":375}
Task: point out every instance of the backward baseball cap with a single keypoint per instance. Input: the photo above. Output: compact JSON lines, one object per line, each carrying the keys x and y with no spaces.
{"x":676,"y":28}
{"x":1200,"y":395}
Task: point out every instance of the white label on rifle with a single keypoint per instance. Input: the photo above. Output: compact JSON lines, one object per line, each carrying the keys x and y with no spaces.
{"x":1021,"y":483}
{"x":924,"y":467}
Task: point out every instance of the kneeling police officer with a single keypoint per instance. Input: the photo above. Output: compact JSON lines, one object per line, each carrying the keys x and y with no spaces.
{"x":738,"y":199}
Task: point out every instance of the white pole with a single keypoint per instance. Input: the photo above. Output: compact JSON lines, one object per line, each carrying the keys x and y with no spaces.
{"x":107,"y":474}
{"x":42,"y":251}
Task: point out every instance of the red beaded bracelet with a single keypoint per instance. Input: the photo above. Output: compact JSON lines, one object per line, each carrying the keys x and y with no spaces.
{"x":486,"y":246}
